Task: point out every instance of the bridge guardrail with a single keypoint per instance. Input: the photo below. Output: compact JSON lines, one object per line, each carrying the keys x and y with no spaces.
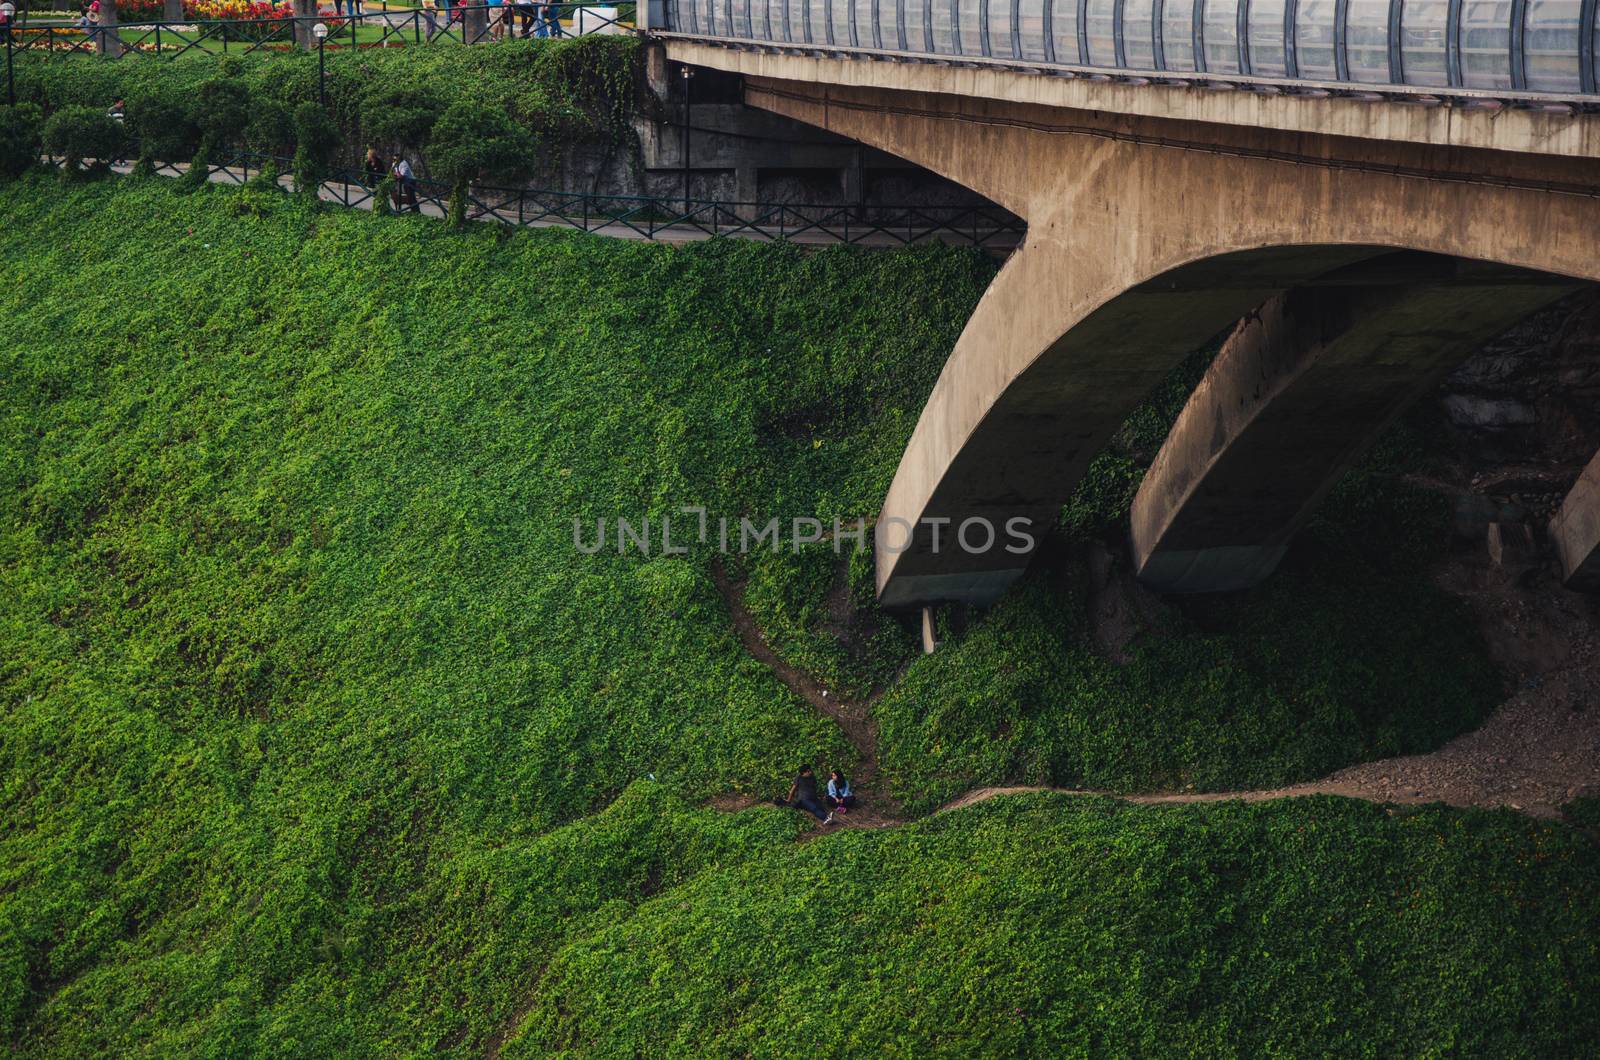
{"x":1533,"y":48}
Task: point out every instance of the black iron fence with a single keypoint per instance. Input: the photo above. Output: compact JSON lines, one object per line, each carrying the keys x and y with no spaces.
{"x":655,"y":217}
{"x":380,"y":28}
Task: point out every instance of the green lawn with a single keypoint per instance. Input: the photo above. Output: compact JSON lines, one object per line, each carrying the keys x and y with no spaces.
{"x":319,"y":735}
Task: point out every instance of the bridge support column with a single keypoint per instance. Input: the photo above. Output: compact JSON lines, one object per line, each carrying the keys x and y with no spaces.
{"x":1575,"y":531}
{"x":1300,"y":391}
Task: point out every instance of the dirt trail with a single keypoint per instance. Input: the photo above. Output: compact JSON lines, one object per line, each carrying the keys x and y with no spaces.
{"x":1538,"y":750}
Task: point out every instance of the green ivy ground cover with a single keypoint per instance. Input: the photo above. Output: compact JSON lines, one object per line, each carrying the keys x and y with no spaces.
{"x":1044,"y":925}
{"x":313,"y":713}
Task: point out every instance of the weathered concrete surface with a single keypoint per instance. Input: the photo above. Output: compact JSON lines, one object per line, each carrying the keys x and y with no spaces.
{"x":1520,"y":131}
{"x":1147,"y":236}
{"x":1575,"y":531}
{"x":1301,"y":389}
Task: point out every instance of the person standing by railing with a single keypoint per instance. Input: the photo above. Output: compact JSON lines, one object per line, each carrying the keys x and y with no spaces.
{"x":430,"y":18}
{"x":552,"y":19}
{"x":528,"y":14}
{"x":405,"y":188}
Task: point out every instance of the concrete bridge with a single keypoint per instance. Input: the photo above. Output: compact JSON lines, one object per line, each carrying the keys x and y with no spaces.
{"x":1360,"y":192}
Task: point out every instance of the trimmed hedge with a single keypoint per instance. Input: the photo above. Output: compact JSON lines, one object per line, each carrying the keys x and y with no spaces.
{"x":583,"y":90}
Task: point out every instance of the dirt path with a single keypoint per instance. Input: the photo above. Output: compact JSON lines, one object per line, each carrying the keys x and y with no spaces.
{"x":852,"y":716}
{"x":1538,"y":750}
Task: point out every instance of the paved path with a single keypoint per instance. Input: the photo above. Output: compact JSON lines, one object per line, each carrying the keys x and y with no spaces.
{"x":998,"y":242}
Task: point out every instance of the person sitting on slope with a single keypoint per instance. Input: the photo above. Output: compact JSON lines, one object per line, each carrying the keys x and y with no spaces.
{"x":803,"y":795}
{"x":839,"y":798}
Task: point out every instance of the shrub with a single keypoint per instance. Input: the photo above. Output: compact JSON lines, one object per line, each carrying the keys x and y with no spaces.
{"x":579,"y":91}
{"x":398,"y":117}
{"x":81,"y":133}
{"x":162,"y":128}
{"x":316,"y":140}
{"x":475,"y":142}
{"x":19,"y":139}
{"x":271,"y":129}
{"x":221,"y":111}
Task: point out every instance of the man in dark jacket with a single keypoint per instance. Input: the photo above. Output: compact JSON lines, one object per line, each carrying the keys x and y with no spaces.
{"x":803,"y":796}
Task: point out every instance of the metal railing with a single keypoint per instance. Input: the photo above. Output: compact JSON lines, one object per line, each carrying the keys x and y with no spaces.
{"x":1541,"y":49}
{"x":661,"y":217}
{"x":370,"y":29}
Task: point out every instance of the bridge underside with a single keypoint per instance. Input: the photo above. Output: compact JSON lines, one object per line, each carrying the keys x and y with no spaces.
{"x":1361,"y":268}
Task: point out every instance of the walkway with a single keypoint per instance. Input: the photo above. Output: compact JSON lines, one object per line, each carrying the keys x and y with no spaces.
{"x":641,"y":218}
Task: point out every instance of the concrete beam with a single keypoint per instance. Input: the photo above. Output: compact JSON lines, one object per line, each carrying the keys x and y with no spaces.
{"x":1575,"y":531}
{"x":1300,"y":391}
{"x":1519,"y":131}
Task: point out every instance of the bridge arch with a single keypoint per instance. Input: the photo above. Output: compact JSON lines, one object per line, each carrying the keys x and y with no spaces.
{"x":1146,"y":238}
{"x":1148,"y":234}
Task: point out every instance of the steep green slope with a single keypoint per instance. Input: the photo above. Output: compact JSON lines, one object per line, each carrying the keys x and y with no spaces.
{"x":292,"y":618}
{"x":1045,"y":925}
{"x":308,"y":696}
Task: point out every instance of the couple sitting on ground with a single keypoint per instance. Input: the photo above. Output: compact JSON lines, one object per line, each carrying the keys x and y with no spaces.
{"x":803,"y":795}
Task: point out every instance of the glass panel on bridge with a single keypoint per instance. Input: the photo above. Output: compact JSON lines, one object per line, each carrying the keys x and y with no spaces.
{"x":1138,"y":34}
{"x":815,"y":15}
{"x":1032,"y":29}
{"x":1550,"y":46}
{"x":741,"y":18}
{"x":863,"y":26}
{"x":1367,"y":41}
{"x":916,"y":21}
{"x":1177,"y":34}
{"x":1100,"y":17}
{"x":1064,"y":28}
{"x":1266,"y":39}
{"x":840,"y":13}
{"x":775,"y":10}
{"x":888,"y":26}
{"x":1313,"y":39}
{"x":971,"y":31}
{"x":1422,"y":42}
{"x":1000,"y":29}
{"x":944,"y":42}
{"x":1222,"y":36}
{"x":1486,"y":43}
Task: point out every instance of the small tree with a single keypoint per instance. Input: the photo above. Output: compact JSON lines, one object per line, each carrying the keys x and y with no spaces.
{"x":220,"y":110}
{"x":79,"y":133}
{"x":270,"y":132}
{"x":474,"y":142}
{"x":316,"y":139}
{"x":19,"y":140}
{"x":399,"y":118}
{"x":162,"y":130}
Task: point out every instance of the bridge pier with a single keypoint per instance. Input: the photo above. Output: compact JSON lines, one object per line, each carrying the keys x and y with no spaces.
{"x":1300,"y":391}
{"x":1575,"y":531}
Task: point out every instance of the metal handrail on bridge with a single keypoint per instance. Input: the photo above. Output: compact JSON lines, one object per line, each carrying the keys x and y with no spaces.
{"x":1523,"y":50}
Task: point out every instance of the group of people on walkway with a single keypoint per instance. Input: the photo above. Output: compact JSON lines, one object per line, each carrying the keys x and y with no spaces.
{"x":374,"y":170}
{"x":539,"y":18}
{"x":827,"y":808}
